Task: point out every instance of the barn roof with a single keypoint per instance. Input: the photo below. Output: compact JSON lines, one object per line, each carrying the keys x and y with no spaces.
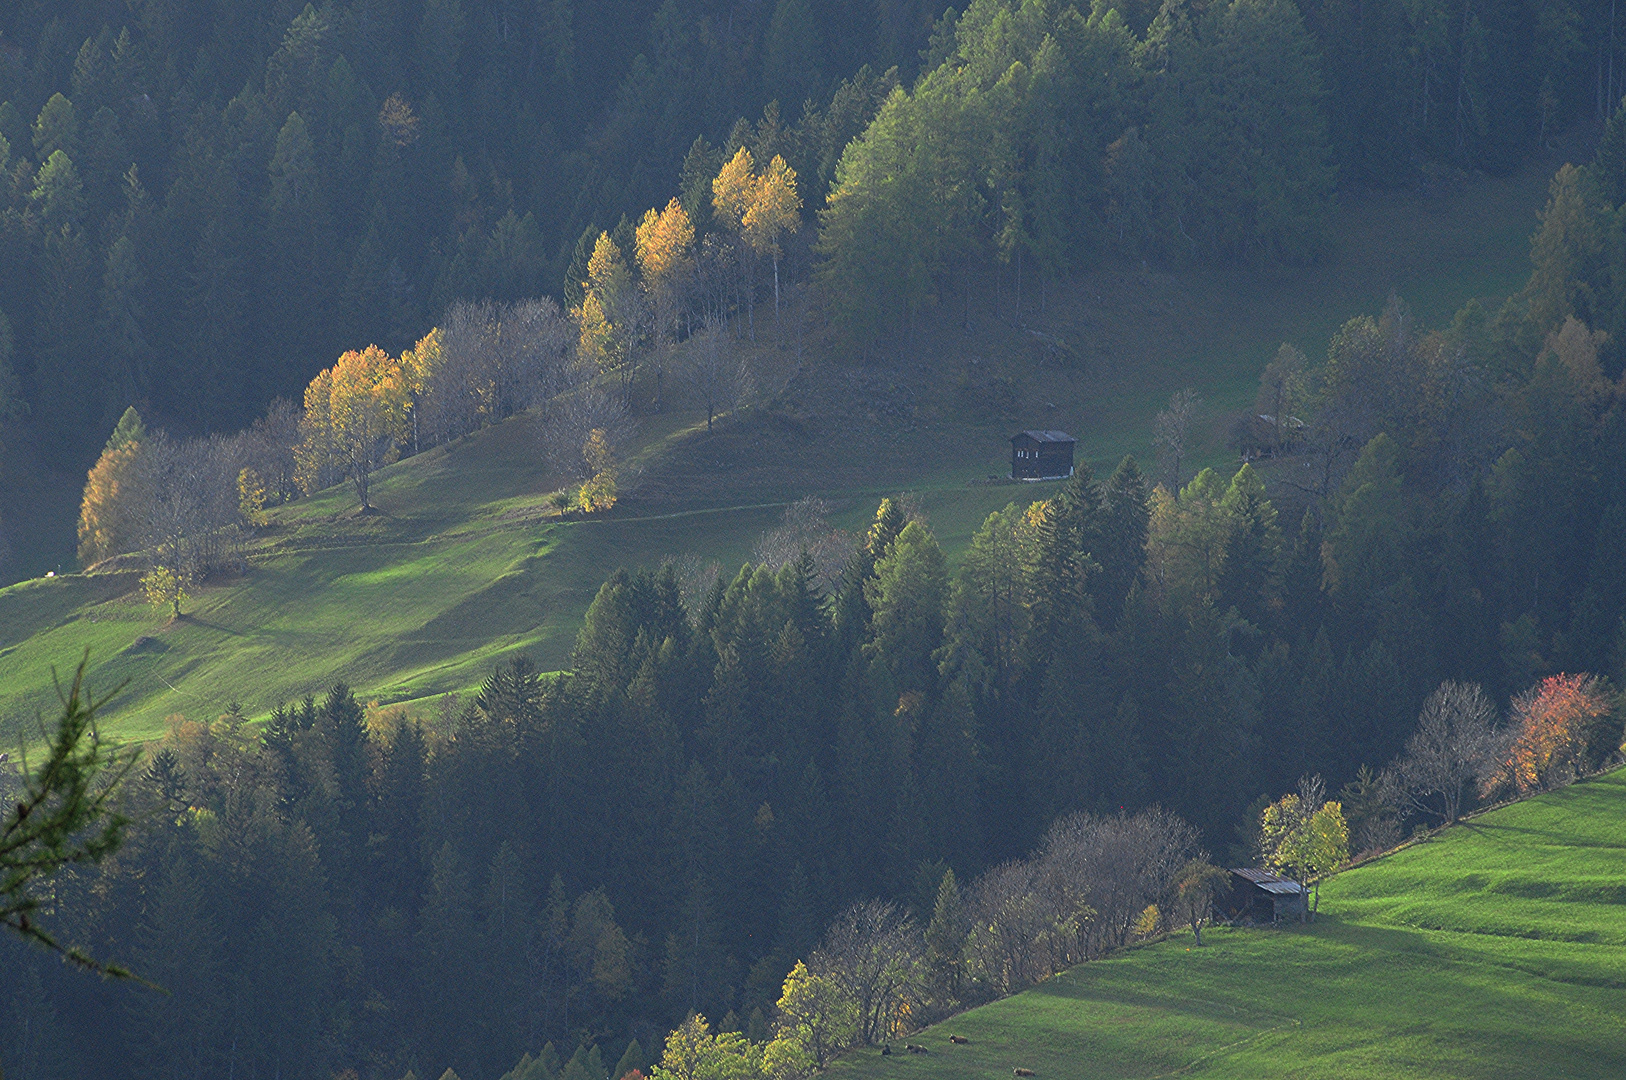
{"x":1271,"y":883}
{"x":1045,"y":436}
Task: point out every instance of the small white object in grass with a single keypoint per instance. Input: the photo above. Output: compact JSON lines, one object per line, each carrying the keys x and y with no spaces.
{"x":50,"y":573}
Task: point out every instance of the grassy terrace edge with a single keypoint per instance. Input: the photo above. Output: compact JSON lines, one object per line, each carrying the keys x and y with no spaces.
{"x":1495,"y":949}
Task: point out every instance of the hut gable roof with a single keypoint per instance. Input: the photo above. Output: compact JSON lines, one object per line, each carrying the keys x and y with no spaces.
{"x":1044,"y":436}
{"x":1271,"y":883}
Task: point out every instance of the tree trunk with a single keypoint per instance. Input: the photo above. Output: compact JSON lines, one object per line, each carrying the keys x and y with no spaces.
{"x":1018,"y":286}
{"x":776,"y":287}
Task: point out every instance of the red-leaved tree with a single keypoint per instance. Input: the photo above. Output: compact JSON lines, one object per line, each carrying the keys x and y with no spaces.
{"x":1555,"y":721}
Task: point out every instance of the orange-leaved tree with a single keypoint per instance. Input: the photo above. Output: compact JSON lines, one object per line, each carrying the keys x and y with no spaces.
{"x":1555,"y":721}
{"x":107,"y":524}
{"x":775,"y":209}
{"x":664,"y":240}
{"x":355,"y":419}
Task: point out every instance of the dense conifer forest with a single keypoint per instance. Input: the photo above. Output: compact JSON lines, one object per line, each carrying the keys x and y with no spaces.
{"x":204,"y":204}
{"x":849,"y":740}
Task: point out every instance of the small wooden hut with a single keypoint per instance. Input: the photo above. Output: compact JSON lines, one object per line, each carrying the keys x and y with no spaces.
{"x":1260,"y":896}
{"x":1042,"y":455}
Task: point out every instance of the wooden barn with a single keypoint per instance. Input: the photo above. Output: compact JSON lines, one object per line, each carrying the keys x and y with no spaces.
{"x":1042,"y":455}
{"x":1262,"y":897}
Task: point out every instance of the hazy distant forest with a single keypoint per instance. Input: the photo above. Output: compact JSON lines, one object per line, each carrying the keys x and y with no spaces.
{"x":208,"y":205}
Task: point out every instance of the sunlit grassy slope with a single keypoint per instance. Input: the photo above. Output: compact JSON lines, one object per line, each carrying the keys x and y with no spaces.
{"x":1497,"y":949}
{"x":465,"y":564}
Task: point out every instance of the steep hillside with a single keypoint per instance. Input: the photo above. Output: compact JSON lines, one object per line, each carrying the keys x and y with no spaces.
{"x":1494,"y":950}
{"x":467,"y":562}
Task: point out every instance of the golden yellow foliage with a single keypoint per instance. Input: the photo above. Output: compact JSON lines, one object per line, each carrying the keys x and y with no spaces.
{"x":664,"y":238}
{"x":104,"y":525}
{"x":601,"y":342}
{"x":599,"y":492}
{"x":164,"y":586}
{"x":775,"y":207}
{"x":734,"y":190}
{"x":607,"y":272}
{"x":313,"y":456}
{"x":251,"y":497}
{"x":420,"y":363}
{"x":596,"y":344}
{"x":355,"y":415}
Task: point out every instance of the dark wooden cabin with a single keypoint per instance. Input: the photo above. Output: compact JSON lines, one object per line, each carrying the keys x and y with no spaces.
{"x":1262,"y":897}
{"x":1042,"y":455}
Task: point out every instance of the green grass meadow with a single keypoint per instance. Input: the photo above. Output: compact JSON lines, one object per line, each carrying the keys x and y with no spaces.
{"x":1495,"y":950}
{"x":465,"y":564}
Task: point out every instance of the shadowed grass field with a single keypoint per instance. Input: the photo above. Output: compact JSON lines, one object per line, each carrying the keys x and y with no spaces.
{"x":1498,"y":949}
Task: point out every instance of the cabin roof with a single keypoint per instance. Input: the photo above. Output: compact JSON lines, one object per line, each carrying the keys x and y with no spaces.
{"x":1045,"y":436}
{"x":1271,"y":883}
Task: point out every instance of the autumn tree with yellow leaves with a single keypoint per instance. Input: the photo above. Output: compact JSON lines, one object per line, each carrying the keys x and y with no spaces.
{"x":609,"y":315}
{"x":732,"y":194}
{"x":664,"y":241}
{"x":775,"y":209}
{"x":759,"y":209}
{"x":1305,"y":835}
{"x":106,"y":522}
{"x":355,"y":418}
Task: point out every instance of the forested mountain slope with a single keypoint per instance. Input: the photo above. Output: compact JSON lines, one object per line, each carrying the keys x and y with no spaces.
{"x":204,"y":206}
{"x":1493,"y":949}
{"x":469,"y":562}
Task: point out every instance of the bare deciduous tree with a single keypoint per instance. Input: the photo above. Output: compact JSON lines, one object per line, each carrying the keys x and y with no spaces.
{"x":719,"y":379}
{"x":570,"y":418}
{"x":495,"y":360}
{"x":1025,"y":925}
{"x":268,"y":449}
{"x":1120,"y":865}
{"x":873,"y":951}
{"x":1456,"y":743}
{"x":695,"y":577}
{"x":806,"y":527}
{"x":1170,"y":429}
{"x":1283,"y":390}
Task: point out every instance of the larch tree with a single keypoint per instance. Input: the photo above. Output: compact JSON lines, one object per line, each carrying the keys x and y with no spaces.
{"x":665,"y":239}
{"x":732,"y":193}
{"x":775,"y":209}
{"x":608,"y":316}
{"x":66,"y":814}
{"x":907,"y":595}
{"x":355,"y":416}
{"x":106,"y":524}
{"x":420,"y":365}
